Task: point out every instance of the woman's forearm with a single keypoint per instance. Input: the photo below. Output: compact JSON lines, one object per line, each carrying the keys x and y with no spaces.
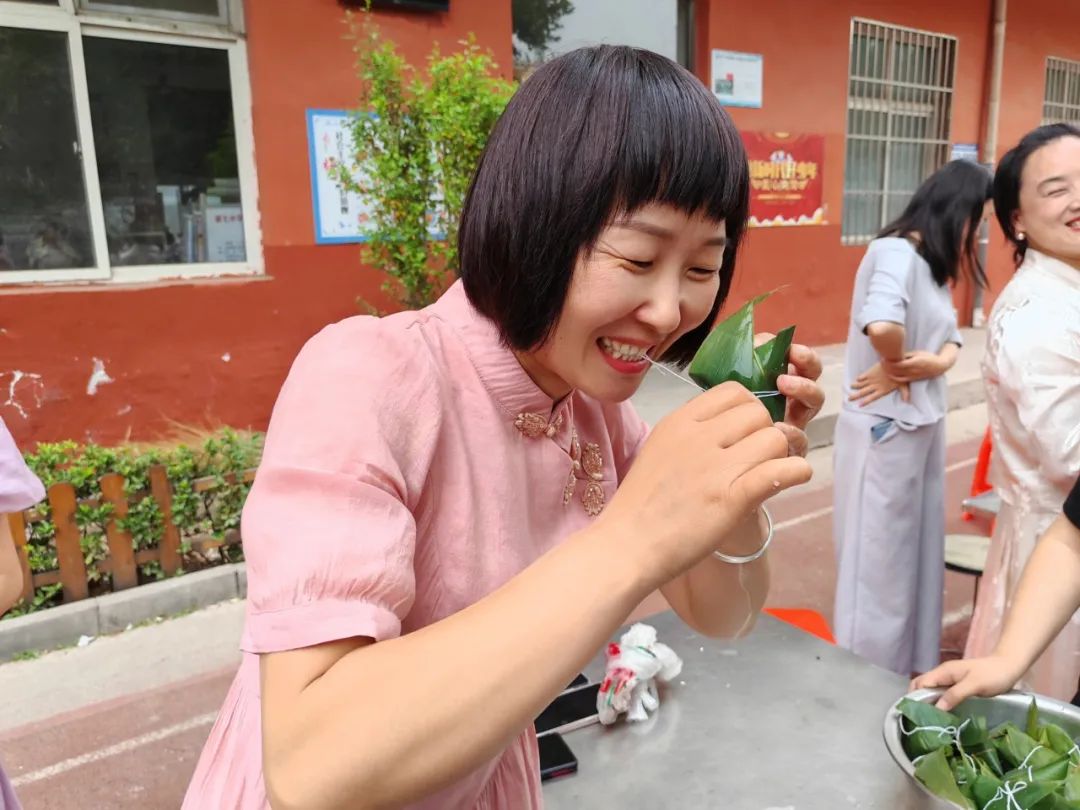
{"x":887,"y":338}
{"x":1047,"y":596}
{"x":948,"y":355}
{"x":394,"y":721}
{"x":11,"y":574}
{"x":719,"y":599}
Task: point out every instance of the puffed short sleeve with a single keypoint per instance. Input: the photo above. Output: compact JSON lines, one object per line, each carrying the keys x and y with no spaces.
{"x":328,"y":528}
{"x":888,"y":291}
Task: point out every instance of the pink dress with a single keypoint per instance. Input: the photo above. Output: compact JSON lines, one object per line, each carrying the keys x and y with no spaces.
{"x":1032,"y":374}
{"x":410,"y":469}
{"x":19,"y":489}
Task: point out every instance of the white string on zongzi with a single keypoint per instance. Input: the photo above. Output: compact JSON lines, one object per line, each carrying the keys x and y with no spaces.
{"x":945,"y":731}
{"x":1024,"y":765}
{"x":688,"y":381}
{"x":1031,"y":753}
{"x":1008,"y":793}
{"x":942,"y":731}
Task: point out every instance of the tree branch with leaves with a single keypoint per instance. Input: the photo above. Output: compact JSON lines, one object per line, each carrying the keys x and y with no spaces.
{"x":418,"y":137}
{"x":536,"y":23}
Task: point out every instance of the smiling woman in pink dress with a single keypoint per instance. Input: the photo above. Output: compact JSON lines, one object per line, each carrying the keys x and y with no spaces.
{"x":19,"y":489}
{"x":445,"y":525}
{"x":1032,"y":375}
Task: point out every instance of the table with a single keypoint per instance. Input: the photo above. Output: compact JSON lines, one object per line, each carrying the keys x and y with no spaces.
{"x":986,"y":505}
{"x":966,"y":554}
{"x":777,"y":721}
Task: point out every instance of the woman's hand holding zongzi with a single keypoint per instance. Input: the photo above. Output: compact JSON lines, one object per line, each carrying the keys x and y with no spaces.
{"x":982,"y":677}
{"x":703,"y":471}
{"x":800,"y":387}
{"x":805,"y":396}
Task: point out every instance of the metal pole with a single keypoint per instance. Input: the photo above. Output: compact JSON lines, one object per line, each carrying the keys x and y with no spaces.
{"x":993,"y":95}
{"x":990,"y":137}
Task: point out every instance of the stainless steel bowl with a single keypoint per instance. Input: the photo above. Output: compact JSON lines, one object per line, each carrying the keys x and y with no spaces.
{"x":1010,"y":707}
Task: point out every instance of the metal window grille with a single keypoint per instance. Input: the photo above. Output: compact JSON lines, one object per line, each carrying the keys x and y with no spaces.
{"x":1061,"y":101}
{"x":900,"y":92}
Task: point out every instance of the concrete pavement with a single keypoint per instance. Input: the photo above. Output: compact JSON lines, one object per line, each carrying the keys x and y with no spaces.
{"x":115,"y":666}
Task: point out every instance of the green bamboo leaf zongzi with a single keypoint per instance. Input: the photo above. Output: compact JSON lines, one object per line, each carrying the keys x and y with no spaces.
{"x":728,"y":354}
{"x":1072,"y":784}
{"x":976,"y":742}
{"x":987,"y":787}
{"x":1021,"y":751}
{"x":1055,"y":771}
{"x":1054,"y":800}
{"x":1032,"y":729}
{"x":965,"y":775}
{"x":1059,"y":741}
{"x":1013,"y":795}
{"x":926,"y":728}
{"x":960,"y":761}
{"x":770,"y":361}
{"x":933,"y":771}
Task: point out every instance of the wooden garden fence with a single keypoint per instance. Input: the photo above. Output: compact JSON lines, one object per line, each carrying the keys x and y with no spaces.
{"x":122,"y":560}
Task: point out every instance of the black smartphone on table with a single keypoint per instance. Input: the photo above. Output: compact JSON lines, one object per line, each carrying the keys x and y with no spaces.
{"x":574,"y":708}
{"x":556,"y":758}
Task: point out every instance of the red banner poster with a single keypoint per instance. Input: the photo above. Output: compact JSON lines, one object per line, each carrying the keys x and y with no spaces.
{"x":785,"y":178}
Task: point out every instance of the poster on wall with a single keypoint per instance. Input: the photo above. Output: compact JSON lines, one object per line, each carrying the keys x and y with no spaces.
{"x":736,"y":78}
{"x":964,"y":151}
{"x":340,"y":215}
{"x":785,"y":178}
{"x":225,"y":233}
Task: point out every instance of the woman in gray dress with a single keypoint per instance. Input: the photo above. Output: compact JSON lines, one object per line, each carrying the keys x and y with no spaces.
{"x":889,"y":453}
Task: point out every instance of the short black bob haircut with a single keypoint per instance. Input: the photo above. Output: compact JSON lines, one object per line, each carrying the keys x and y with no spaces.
{"x":594,"y":134}
{"x":944,"y":214}
{"x":1009,"y":172}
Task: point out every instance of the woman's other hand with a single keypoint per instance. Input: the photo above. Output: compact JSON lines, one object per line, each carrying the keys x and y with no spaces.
{"x":875,"y":383}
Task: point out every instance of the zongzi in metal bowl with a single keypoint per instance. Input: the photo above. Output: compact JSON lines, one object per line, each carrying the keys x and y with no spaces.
{"x":1016,"y":751}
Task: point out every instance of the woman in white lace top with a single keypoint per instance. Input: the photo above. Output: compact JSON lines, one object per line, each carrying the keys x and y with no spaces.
{"x":1032,"y":377}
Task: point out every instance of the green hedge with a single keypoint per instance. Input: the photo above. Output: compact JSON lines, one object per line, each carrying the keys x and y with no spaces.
{"x":212,"y":513}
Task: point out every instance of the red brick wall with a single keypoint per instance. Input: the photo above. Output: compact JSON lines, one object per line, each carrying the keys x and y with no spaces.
{"x":213,"y":352}
{"x":805,"y":48}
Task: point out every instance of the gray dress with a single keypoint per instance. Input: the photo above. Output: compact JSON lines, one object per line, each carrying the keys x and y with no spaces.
{"x":889,"y":477}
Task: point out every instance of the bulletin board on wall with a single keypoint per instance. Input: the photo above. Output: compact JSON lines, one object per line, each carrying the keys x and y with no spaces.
{"x":341,"y":215}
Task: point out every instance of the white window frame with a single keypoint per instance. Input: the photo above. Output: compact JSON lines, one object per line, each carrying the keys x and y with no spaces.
{"x":64,"y":18}
{"x":121,"y":7}
{"x":1071,"y":70}
{"x":891,"y":107}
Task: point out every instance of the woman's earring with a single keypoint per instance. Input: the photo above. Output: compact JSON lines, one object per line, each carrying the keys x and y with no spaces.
{"x":1020,"y":235}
